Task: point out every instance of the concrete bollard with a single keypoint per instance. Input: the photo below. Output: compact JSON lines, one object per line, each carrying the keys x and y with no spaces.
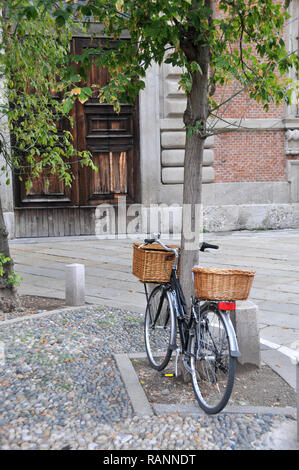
{"x":245,"y":323}
{"x":75,"y":284}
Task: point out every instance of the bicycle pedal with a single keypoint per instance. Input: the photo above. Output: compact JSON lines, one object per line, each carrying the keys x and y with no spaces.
{"x":168,"y":375}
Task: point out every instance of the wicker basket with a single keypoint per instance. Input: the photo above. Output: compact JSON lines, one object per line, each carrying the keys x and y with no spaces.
{"x":151,"y":263}
{"x":222,"y":284}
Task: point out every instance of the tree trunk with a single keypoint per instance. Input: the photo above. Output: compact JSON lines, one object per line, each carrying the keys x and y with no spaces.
{"x":196,"y":112}
{"x":8,"y":295}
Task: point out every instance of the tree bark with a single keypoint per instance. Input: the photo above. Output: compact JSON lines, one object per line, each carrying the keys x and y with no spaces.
{"x":196,"y":112}
{"x":8,"y":294}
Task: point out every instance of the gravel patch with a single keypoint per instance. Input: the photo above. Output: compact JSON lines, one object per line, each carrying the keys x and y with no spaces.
{"x":60,"y":387}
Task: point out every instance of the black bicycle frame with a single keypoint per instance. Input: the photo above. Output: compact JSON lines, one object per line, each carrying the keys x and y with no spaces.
{"x":184,"y":323}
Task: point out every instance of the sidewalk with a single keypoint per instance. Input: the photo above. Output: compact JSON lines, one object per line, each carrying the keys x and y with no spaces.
{"x":273,"y":254}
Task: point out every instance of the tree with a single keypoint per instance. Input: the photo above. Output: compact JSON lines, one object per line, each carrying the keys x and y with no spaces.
{"x":34,"y":65}
{"x":215,"y":43}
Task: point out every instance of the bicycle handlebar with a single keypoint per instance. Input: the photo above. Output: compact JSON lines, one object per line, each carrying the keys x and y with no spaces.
{"x":149,"y":240}
{"x":157,"y":240}
{"x":205,"y":245}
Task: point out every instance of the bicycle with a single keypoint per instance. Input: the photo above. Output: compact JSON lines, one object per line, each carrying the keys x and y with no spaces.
{"x":208,"y":344}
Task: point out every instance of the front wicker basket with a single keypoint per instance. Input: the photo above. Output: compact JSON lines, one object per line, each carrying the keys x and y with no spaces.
{"x":222,"y":284}
{"x":151,"y":263}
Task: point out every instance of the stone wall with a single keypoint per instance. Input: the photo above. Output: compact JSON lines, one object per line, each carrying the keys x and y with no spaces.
{"x":172,"y":104}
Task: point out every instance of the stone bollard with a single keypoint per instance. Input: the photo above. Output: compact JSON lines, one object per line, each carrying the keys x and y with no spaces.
{"x":75,"y":284}
{"x":245,"y":323}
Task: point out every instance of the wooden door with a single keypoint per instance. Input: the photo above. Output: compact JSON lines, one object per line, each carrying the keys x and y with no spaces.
{"x":111,"y":138}
{"x":50,"y":208}
{"x":47,"y":189}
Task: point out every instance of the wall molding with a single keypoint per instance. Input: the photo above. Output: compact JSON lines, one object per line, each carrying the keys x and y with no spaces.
{"x":259,"y":124}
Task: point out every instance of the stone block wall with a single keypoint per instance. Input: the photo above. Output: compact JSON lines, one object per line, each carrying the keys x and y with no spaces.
{"x":172,"y":104}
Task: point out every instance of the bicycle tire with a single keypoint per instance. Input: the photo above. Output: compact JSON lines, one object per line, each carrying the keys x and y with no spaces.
{"x":213,"y":369}
{"x":159,"y":330}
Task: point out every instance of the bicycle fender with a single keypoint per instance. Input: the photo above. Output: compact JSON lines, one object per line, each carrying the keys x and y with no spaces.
{"x":233,"y":342}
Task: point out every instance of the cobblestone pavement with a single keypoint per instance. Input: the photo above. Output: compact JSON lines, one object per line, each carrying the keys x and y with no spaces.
{"x":59,"y":387}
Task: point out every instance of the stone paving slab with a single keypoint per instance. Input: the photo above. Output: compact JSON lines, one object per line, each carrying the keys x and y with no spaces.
{"x":280,"y":319}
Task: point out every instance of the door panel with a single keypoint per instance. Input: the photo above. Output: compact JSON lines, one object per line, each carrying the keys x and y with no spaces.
{"x":100,"y":180}
{"x":112,"y":139}
{"x":118,"y":165}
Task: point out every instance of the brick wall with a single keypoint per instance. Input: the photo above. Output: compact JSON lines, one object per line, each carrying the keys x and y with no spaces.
{"x":243,"y":156}
{"x":243,"y":107}
{"x":250,"y":156}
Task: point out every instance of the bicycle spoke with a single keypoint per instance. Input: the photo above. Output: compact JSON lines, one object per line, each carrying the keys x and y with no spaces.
{"x":159,"y":329}
{"x":211,"y":364}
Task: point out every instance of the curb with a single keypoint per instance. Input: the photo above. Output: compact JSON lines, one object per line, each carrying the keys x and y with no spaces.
{"x":45,"y":314}
{"x":142,"y":407}
{"x":139,"y":401}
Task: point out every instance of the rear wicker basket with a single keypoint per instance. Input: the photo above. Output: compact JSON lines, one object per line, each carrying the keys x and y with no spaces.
{"x":151,"y":263}
{"x":222,"y":284}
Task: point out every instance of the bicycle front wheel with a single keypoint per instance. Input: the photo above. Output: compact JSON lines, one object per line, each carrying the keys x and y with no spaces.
{"x":212,"y":366}
{"x":159,"y":328}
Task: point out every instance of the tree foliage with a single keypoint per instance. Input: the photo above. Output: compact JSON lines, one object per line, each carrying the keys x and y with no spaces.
{"x":244,"y":39}
{"x":214,"y":43}
{"x":35,"y":68}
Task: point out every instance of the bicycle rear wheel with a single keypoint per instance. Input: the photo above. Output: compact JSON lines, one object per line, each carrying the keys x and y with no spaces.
{"x":212,"y":366}
{"x":159,"y":328}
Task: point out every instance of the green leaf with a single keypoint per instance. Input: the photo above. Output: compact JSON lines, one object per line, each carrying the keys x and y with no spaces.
{"x":195,"y":67}
{"x":60,"y":20}
{"x":67,"y":105}
{"x":31,"y":12}
{"x":75,"y":78}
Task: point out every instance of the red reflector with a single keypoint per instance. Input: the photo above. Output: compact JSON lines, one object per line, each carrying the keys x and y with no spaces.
{"x":227,"y":305}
